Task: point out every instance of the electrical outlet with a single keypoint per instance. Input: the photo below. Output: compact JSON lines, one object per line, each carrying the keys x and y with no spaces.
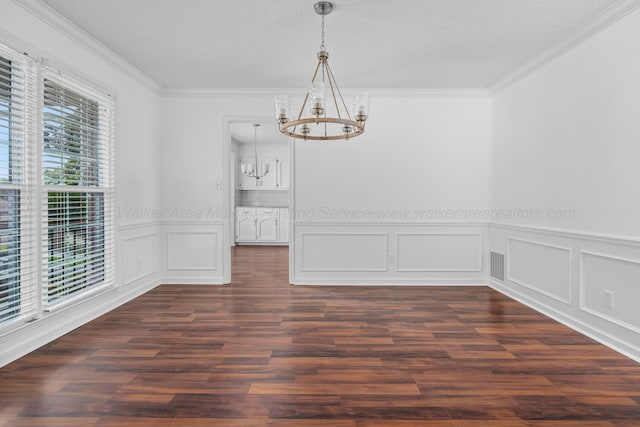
{"x":608,"y":299}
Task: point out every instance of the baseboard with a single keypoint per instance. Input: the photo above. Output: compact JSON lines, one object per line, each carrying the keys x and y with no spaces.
{"x":324,"y":281}
{"x":625,"y":348}
{"x":42,"y":331}
{"x":286,"y":244}
{"x":183,"y":281}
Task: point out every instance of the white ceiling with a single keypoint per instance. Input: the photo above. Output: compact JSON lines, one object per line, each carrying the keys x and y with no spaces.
{"x":372,"y":43}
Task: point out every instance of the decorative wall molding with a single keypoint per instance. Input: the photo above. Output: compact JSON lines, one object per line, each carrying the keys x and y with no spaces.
{"x":55,"y":20}
{"x":337,"y":240}
{"x":208,"y":92}
{"x":192,"y":223}
{"x":139,"y":277}
{"x":33,"y":335}
{"x":203,"y":254}
{"x":192,"y":253}
{"x":599,"y":263}
{"x":411,"y":224}
{"x":610,"y":256}
{"x":574,"y":234}
{"x":455,"y":252}
{"x":610,"y":317}
{"x":138,"y":236}
{"x":532,"y":286}
{"x":320,"y":280}
{"x":138,"y":226}
{"x":136,"y":271}
{"x":439,"y":254}
{"x":610,"y":16}
{"x":63,"y":25}
{"x":625,"y":347}
{"x":188,"y":280}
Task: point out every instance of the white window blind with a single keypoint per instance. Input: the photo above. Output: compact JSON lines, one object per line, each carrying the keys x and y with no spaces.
{"x":56,"y":165}
{"x":18,"y":271}
{"x":77,"y":196}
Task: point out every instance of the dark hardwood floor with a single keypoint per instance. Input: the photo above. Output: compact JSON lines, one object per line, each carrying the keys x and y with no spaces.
{"x":262,"y":353}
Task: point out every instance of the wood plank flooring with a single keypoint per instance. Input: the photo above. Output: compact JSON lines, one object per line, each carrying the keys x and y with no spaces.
{"x":262,"y":353}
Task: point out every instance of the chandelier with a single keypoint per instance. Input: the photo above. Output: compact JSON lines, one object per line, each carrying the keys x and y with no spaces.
{"x":321,"y":118}
{"x":253,"y":170}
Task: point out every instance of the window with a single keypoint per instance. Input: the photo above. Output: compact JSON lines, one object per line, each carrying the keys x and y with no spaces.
{"x":68,"y":191}
{"x":18,"y":291}
{"x":76,"y":196}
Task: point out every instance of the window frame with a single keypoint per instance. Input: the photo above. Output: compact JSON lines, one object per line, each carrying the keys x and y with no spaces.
{"x":21,"y":100}
{"x":33,"y":192}
{"x":104,"y":185}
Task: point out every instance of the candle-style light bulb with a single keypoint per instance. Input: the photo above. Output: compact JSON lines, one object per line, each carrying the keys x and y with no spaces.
{"x":281,"y":103}
{"x":317,"y":98}
{"x":361,"y":107}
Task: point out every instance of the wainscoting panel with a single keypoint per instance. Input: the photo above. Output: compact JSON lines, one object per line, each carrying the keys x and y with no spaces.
{"x":590,"y":282}
{"x":541,"y":267}
{"x":137,"y":272}
{"x":139,"y":256}
{"x":347,"y":252}
{"x":610,"y":288}
{"x":193,"y":252}
{"x":438,"y":252}
{"x":389,"y":253}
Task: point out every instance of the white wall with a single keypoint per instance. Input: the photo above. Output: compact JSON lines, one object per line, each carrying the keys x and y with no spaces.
{"x":424,"y":159}
{"x":35,"y":30}
{"x":566,"y":137}
{"x":194,"y":198}
{"x":416,"y":184}
{"x":565,"y":164}
{"x":418,"y":153}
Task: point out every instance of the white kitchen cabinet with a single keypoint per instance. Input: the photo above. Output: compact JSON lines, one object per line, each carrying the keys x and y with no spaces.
{"x":283,"y":225}
{"x":267,"y":223}
{"x":246,"y":226}
{"x":262,"y":225}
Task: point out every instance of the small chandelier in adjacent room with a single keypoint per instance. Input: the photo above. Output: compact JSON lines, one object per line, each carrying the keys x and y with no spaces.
{"x":255,"y":169}
{"x":325,"y":119}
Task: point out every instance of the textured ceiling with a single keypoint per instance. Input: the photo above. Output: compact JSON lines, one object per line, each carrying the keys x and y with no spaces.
{"x":372,"y":43}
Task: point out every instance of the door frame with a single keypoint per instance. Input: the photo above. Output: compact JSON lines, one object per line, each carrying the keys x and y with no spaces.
{"x":228,"y":192}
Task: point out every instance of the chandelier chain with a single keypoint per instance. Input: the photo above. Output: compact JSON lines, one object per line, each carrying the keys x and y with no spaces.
{"x":322,"y":46}
{"x":255,"y":146}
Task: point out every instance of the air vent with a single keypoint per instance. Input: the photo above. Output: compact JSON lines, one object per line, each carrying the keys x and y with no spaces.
{"x":497,"y":266}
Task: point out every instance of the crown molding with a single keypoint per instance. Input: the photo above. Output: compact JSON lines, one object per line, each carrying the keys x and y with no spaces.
{"x":607,"y":18}
{"x":55,"y":20}
{"x":436,"y":92}
{"x":204,"y":92}
{"x":212,"y":92}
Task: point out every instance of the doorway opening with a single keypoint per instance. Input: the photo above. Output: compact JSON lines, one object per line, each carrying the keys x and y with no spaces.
{"x":259,"y":197}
